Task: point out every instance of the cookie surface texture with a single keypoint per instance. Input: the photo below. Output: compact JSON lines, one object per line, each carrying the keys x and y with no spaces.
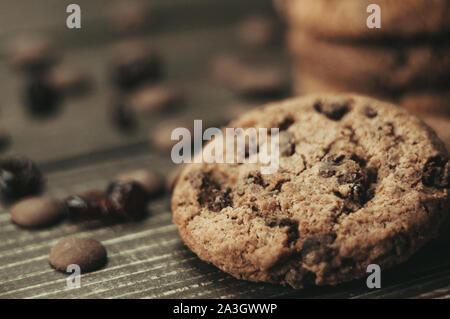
{"x":359,"y":182}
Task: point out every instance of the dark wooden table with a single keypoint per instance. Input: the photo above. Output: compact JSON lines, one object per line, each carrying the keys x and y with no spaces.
{"x":80,"y":150}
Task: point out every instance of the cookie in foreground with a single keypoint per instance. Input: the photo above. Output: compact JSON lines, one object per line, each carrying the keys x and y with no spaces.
{"x":362,"y":182}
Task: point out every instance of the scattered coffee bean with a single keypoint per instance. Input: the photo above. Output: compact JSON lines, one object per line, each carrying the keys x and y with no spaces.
{"x":32,"y":54}
{"x":134,"y":65}
{"x":41,"y":98}
{"x":87,"y":206}
{"x":129,"y":16}
{"x":87,"y":253}
{"x":152,"y":182}
{"x":154,"y":98}
{"x":123,"y":116}
{"x":250,"y":80}
{"x":126,"y":200}
{"x":19,"y":177}
{"x":36,"y":212}
{"x":68,"y":80}
{"x":256,"y":31}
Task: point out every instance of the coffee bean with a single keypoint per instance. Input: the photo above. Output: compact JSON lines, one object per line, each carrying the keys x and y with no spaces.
{"x":32,"y":54}
{"x":154,"y":98}
{"x":19,"y":177}
{"x":152,"y":182}
{"x":134,"y":65}
{"x":436,"y":172}
{"x":87,"y":253}
{"x":332,"y":110}
{"x":36,"y":212}
{"x":249,"y":80}
{"x":87,"y":206}
{"x":256,"y":31}
{"x":41,"y":98}
{"x":68,"y":80}
{"x":126,"y":200}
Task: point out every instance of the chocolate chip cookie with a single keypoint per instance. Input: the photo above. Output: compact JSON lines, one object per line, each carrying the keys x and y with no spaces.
{"x":347,"y":19}
{"x":359,"y":182}
{"x":391,"y":68}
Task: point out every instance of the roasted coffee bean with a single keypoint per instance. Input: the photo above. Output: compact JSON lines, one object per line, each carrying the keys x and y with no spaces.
{"x":87,"y":253}
{"x":123,"y":117}
{"x":334,"y":111}
{"x":436,"y":172}
{"x":32,"y":54}
{"x":250,"y":80}
{"x":152,"y":182}
{"x":41,"y":98}
{"x":256,"y":31}
{"x":19,"y":177}
{"x":126,"y":200}
{"x":37,"y":212}
{"x":135,"y":65}
{"x":87,"y":206}
{"x":68,"y":80}
{"x":154,"y":98}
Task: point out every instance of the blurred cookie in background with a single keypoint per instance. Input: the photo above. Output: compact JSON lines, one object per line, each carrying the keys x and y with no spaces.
{"x":346,"y":19}
{"x":129,"y":15}
{"x":257,"y":30}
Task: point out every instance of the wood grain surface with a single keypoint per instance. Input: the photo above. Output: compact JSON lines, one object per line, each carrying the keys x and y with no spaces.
{"x":79,"y":150}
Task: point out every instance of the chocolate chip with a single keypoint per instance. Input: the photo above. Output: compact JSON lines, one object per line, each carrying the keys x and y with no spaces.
{"x":286,"y":144}
{"x":19,"y":177}
{"x":87,"y":253}
{"x":212,"y":196}
{"x":370,"y":112}
{"x":36,"y":212}
{"x":292,"y":232}
{"x":41,"y":97}
{"x":126,"y":200}
{"x":283,"y":126}
{"x":315,"y":249}
{"x":152,"y":182}
{"x":436,"y":172}
{"x":255,"y":179}
{"x":134,"y":65}
{"x":332,"y":110}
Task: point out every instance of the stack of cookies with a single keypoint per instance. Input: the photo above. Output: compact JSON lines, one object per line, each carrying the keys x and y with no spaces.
{"x":406,"y":60}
